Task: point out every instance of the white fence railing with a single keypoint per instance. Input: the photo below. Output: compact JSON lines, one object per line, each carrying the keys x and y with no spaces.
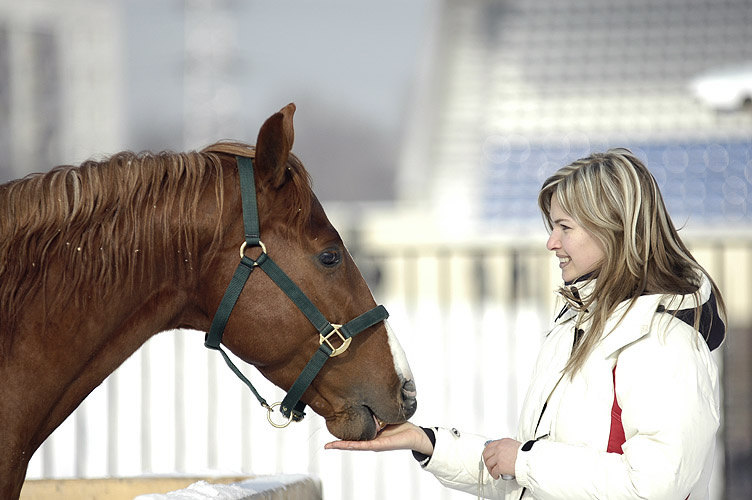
{"x":470,"y":319}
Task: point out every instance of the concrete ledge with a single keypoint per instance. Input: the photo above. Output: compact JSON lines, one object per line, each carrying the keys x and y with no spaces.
{"x":281,"y":487}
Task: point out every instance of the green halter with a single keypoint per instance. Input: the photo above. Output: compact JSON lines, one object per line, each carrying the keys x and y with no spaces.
{"x":291,"y":407}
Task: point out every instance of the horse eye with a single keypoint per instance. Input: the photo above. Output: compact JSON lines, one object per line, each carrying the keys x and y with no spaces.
{"x":330,"y":258}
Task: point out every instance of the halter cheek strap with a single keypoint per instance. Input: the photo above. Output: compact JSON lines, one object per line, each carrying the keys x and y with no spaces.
{"x":291,"y":407}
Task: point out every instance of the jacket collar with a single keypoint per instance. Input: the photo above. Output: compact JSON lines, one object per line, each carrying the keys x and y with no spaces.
{"x":644,"y":310}
{"x":711,"y":326}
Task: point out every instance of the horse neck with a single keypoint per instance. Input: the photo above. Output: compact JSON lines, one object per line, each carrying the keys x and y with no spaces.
{"x":53,"y":369}
{"x":59,"y":354}
{"x":58,"y":351}
{"x":56,"y":363}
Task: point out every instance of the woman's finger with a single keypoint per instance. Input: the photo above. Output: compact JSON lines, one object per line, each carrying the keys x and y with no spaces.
{"x":353,"y":445}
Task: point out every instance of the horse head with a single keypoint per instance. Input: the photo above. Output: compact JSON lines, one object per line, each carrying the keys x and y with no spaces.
{"x":370,"y":383}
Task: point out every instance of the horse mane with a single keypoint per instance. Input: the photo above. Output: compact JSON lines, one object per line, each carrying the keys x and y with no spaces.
{"x":299,"y":200}
{"x":99,"y":225}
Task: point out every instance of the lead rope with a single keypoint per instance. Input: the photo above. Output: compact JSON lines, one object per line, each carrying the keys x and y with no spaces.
{"x":481,"y":482}
{"x":508,"y":477}
{"x":481,"y":473}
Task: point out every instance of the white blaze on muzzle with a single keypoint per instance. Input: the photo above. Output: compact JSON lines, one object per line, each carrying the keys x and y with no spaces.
{"x":401,"y":365}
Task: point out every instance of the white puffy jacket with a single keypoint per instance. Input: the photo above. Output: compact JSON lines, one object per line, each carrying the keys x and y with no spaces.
{"x":666,"y":385}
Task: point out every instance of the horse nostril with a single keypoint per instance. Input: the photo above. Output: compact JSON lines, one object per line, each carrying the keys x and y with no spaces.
{"x":408,"y":390}
{"x":410,"y":403}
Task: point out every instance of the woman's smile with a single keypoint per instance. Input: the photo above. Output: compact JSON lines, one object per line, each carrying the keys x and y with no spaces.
{"x":578,"y":251}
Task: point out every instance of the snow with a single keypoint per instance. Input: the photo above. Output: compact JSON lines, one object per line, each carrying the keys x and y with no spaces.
{"x":243,"y":490}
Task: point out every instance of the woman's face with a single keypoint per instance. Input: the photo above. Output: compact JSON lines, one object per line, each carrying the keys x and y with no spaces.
{"x":577,"y":250}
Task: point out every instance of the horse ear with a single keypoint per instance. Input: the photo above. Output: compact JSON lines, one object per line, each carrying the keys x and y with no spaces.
{"x":274,"y":144}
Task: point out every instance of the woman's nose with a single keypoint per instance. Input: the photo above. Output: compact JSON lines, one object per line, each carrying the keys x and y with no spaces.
{"x":553,"y":242}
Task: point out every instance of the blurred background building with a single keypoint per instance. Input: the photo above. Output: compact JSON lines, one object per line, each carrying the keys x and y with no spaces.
{"x":428,"y":127}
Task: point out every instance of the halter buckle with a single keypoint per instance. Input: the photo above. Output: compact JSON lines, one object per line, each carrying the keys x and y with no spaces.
{"x":343,"y":346}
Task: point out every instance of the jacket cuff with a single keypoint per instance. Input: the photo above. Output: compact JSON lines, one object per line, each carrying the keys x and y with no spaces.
{"x":422,"y":458}
{"x":522,"y":464}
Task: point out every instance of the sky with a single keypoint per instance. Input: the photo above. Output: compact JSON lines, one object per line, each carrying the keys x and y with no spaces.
{"x":350,"y":67}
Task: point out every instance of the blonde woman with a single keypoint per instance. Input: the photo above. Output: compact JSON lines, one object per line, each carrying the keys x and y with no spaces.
{"x":624,"y":400}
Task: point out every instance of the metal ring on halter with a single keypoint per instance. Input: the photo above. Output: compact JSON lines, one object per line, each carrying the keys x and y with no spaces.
{"x":244,"y":245}
{"x":270,"y":410}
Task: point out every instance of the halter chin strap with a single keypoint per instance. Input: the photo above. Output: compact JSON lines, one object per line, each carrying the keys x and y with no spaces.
{"x":291,"y":407}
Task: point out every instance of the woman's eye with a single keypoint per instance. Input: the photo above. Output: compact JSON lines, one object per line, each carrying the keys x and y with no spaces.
{"x":330,"y":258}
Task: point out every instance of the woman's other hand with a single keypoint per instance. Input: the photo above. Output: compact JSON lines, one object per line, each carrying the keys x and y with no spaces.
{"x":500,"y":457}
{"x":404,"y":436}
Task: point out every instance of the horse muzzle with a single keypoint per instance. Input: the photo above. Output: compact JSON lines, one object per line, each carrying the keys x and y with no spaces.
{"x":362,"y":422}
{"x":408,"y":406}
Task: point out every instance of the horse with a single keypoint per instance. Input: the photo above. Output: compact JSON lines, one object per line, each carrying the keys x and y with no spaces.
{"x":95,"y":259}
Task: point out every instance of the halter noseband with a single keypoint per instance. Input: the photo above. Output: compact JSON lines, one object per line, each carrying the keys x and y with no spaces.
{"x":291,"y":407}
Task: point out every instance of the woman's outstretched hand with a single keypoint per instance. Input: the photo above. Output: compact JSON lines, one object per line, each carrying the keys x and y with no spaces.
{"x":404,"y":436}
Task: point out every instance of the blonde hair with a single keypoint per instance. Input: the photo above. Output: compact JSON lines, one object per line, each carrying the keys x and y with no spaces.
{"x":615,"y":198}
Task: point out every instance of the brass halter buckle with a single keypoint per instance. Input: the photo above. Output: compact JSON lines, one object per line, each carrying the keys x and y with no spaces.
{"x":343,"y":346}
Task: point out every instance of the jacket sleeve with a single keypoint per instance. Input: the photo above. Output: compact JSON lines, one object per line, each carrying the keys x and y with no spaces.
{"x":667,"y":387}
{"x":456,"y":463}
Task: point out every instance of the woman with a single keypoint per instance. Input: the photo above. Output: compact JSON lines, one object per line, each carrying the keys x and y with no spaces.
{"x":624,"y":399}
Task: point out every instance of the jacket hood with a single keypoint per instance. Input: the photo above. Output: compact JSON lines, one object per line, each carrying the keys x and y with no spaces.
{"x":683,"y":307}
{"x":711,"y":326}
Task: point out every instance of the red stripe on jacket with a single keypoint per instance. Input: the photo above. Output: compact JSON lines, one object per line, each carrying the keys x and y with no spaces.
{"x":616,"y":436}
